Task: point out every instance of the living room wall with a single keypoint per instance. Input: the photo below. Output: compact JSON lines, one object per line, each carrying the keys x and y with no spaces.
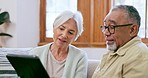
{"x":24,"y":26}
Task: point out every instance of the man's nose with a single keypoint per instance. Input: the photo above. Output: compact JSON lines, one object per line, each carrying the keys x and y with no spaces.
{"x":106,"y":32}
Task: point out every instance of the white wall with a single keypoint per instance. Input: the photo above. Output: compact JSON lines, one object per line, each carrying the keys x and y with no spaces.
{"x":24,"y":26}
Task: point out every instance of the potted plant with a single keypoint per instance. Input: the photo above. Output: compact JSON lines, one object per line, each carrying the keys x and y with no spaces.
{"x":4,"y":17}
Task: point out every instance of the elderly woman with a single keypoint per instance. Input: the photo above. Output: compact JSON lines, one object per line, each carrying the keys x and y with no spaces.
{"x":60,"y":58}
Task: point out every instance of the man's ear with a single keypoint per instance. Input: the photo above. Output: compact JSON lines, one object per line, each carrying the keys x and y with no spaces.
{"x":134,"y":30}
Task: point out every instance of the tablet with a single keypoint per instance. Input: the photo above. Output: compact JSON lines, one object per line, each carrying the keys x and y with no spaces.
{"x":27,"y":66}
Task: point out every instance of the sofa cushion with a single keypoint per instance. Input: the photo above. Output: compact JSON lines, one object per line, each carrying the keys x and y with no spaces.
{"x":92,"y":65}
{"x":6,"y":70}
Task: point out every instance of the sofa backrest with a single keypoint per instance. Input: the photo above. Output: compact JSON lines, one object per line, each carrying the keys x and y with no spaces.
{"x":7,"y":71}
{"x":92,"y":65}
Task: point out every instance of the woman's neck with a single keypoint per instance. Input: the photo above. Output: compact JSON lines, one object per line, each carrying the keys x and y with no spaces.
{"x":59,"y":53}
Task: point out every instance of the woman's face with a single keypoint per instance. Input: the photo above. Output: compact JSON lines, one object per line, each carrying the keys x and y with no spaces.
{"x":65,"y":33}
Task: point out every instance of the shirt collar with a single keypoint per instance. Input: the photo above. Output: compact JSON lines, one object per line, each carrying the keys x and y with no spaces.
{"x":122,"y":50}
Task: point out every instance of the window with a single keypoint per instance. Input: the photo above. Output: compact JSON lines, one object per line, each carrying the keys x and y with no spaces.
{"x":53,"y":9}
{"x":141,"y":6}
{"x":93,"y":12}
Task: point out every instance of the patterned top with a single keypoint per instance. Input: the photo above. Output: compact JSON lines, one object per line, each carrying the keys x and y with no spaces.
{"x":54,"y":67}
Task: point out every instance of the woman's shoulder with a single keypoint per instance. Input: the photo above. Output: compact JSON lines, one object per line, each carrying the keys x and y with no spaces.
{"x":43,"y":46}
{"x":77,"y":53}
{"x":72,"y":47}
{"x":76,"y":50}
{"x":40,"y":48}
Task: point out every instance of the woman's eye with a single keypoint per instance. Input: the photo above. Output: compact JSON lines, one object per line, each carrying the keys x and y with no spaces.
{"x":61,"y":28}
{"x":71,"y":32}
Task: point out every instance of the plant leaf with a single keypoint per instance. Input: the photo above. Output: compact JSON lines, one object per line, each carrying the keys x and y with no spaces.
{"x":5,"y":34}
{"x":4,"y":17}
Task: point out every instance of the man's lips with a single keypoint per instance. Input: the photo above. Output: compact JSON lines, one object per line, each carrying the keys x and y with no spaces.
{"x":109,"y":42}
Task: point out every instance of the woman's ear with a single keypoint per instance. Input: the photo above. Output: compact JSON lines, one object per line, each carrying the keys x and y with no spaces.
{"x":134,"y":30}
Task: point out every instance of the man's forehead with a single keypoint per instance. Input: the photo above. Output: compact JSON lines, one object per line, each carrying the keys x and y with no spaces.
{"x":110,"y":21}
{"x":114,"y":16}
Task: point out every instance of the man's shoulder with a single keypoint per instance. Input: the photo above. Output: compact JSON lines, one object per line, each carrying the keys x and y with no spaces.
{"x":141,"y":47}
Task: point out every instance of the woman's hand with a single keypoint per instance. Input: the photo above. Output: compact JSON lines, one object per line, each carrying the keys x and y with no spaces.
{"x":52,"y":77}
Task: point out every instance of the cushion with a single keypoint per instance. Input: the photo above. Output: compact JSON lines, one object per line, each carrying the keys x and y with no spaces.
{"x":92,"y":65}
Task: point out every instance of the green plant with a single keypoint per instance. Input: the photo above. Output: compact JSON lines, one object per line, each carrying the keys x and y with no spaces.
{"x":4,"y":17}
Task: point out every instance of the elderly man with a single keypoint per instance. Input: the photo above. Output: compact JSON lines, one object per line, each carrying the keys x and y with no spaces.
{"x":128,"y":55}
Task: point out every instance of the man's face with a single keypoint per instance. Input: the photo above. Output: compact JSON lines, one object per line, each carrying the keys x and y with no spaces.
{"x":121,"y":35}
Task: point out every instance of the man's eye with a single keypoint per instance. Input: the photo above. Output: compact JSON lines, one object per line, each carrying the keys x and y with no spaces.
{"x":112,"y":27}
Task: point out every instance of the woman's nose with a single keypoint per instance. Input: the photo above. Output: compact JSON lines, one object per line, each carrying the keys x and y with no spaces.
{"x":65,"y":34}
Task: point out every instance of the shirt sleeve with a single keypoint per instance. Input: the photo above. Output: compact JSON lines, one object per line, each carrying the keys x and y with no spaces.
{"x":81,"y":71}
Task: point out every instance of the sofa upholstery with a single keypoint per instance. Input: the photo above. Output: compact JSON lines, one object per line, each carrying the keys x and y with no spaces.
{"x":7,"y":71}
{"x":92,"y":64}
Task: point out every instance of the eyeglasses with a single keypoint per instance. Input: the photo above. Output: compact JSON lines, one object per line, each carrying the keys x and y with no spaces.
{"x":111,"y":28}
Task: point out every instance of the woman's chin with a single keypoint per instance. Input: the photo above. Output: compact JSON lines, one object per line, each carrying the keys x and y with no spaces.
{"x":61,"y":44}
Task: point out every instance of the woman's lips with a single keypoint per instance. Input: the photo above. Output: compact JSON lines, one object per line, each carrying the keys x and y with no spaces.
{"x":61,"y":40}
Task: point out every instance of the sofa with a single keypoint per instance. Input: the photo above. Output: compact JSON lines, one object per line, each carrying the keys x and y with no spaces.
{"x":7,"y":71}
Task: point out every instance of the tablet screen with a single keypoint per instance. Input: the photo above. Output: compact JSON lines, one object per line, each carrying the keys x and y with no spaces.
{"x":27,"y":66}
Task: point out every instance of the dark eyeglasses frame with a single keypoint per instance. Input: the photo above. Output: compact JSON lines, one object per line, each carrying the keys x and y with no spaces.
{"x":103,"y":28}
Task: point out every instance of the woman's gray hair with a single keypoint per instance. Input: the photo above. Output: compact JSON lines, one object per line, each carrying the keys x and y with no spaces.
{"x":65,"y":16}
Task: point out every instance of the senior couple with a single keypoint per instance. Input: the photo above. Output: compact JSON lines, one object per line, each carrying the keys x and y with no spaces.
{"x":127,"y":55}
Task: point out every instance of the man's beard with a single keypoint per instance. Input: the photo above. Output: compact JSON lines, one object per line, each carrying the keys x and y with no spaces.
{"x":112,"y":47}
